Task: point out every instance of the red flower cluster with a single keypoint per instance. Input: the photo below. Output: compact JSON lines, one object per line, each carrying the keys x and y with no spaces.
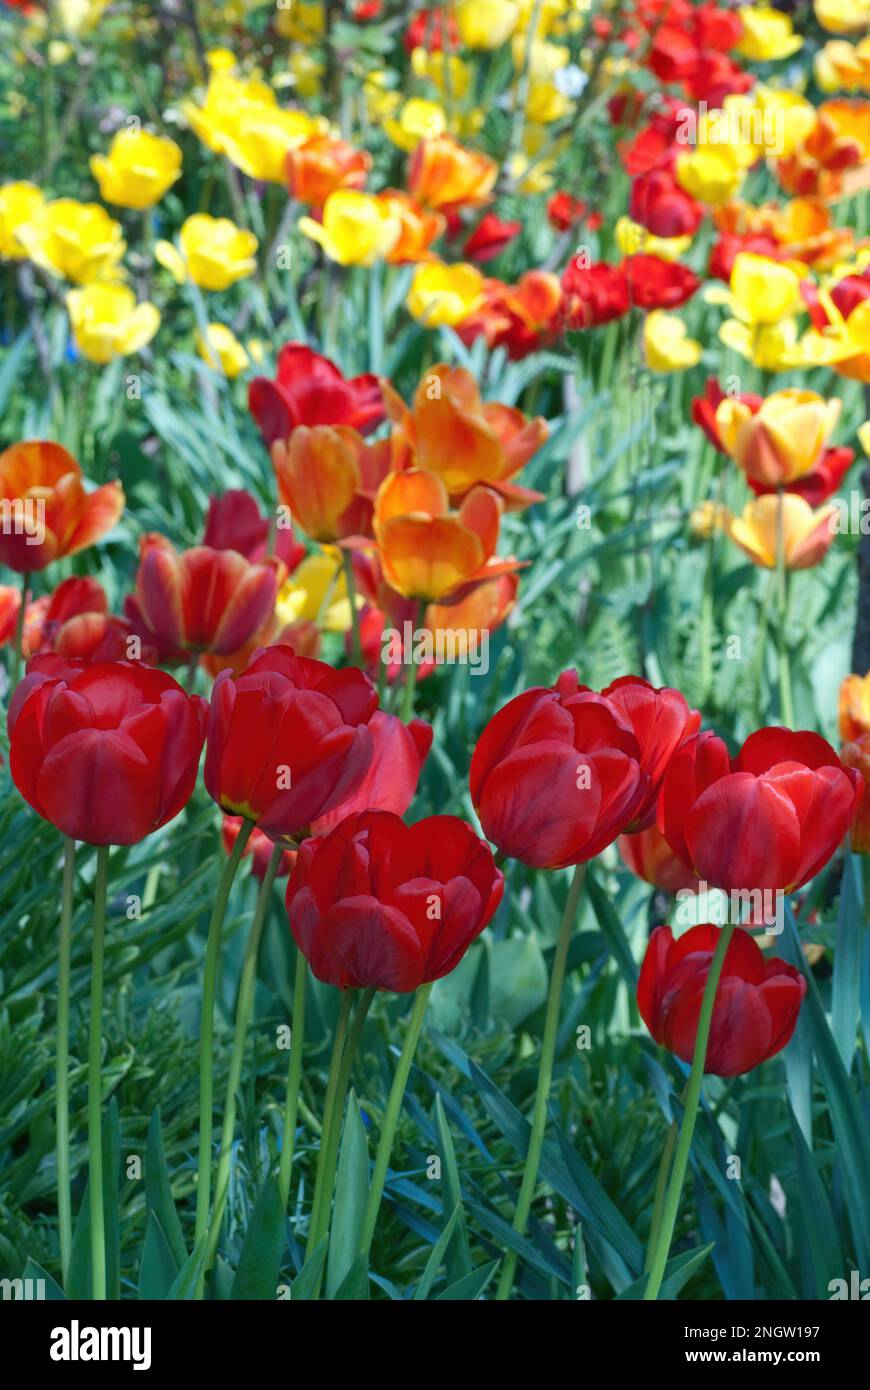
{"x":310,"y":390}
{"x":597,"y":293}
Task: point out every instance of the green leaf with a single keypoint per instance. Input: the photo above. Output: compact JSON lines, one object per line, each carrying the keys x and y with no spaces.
{"x":471,"y":1286}
{"x":158,"y":1190}
{"x":183,"y":1288}
{"x":351,"y":1195}
{"x":158,"y":1269}
{"x":436,"y":1255}
{"x":52,"y":1290}
{"x":458,"y":1253}
{"x":260,"y":1260}
{"x":847,"y":961}
{"x":815,"y":1210}
{"x":678,"y":1271}
{"x":308,"y":1278}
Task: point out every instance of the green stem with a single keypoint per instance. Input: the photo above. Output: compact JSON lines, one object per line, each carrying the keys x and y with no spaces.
{"x":95,"y":1135}
{"x":64,"y":1200}
{"x":662,"y":1184}
{"x":391,"y":1117}
{"x":786,"y":709}
{"x":244,"y":1009}
{"x":660,"y":1247}
{"x":328,"y":1117}
{"x":761,"y":647}
{"x":294,"y":1077}
{"x":407,"y":708}
{"x":206,"y":1035}
{"x":545,"y":1077}
{"x":347,"y":560}
{"x":341,"y":1090}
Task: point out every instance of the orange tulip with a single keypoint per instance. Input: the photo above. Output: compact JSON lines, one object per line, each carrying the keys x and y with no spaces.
{"x":321,"y":165}
{"x":522,"y":317}
{"x":855,"y":707}
{"x":807,"y":534}
{"x":839,"y":140}
{"x":856,"y":754}
{"x":328,"y":476}
{"x":649,"y":856}
{"x":427,"y":550}
{"x":449,"y":431}
{"x":444,"y":174}
{"x":419,"y":228}
{"x":45,"y":512}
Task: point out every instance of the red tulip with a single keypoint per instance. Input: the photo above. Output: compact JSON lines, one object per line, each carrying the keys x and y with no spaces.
{"x":398,"y":754}
{"x":657,"y":284}
{"x":288,"y":739}
{"x":556,"y":775}
{"x":757,"y":1001}
{"x":490,"y":237}
{"x":107,"y":752}
{"x":594,"y":294}
{"x":49,"y":512}
{"x":235,"y":522}
{"x":660,"y":720}
{"x":201,"y":600}
{"x":769,"y":818}
{"x":74,"y":622}
{"x":429,"y":28}
{"x":663,"y":207}
{"x":384,"y":905}
{"x":310,"y":390}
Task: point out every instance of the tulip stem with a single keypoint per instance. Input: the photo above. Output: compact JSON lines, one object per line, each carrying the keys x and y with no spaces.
{"x":786,"y":708}
{"x":545,"y":1077}
{"x":347,"y":559}
{"x":294,"y":1078}
{"x":662,"y":1183}
{"x":328,"y":1105}
{"x":333,"y":1133}
{"x":64,"y":955}
{"x":19,"y":634}
{"x":244,"y":1007}
{"x":661,"y":1244}
{"x":206,"y":1035}
{"x":391,"y":1117}
{"x":95,"y":1134}
{"x":411,"y":677}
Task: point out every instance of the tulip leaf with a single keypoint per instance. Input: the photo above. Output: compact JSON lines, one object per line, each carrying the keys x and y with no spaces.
{"x":351,"y":1195}
{"x":51,"y":1290}
{"x":471,"y":1286}
{"x":436,"y":1255}
{"x":611,"y":930}
{"x":678,"y":1271}
{"x":309,"y":1276}
{"x":260,"y":1260}
{"x":158,"y":1269}
{"x":458,"y":1252}
{"x":184,"y":1285}
{"x":815,"y":1212}
{"x":847,"y":960}
{"x":158,"y":1190}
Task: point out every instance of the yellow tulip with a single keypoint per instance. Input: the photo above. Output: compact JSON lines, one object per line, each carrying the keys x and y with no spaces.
{"x":451,"y":74}
{"x":107,"y":322}
{"x":486,"y":24}
{"x":667,"y":345}
{"x":316,"y":593}
{"x":19,"y":202}
{"x":787,"y":119}
{"x":707,"y":518}
{"x":418,"y":120}
{"x":76,"y":241}
{"x":220,"y":60}
{"x":632,"y":239}
{"x":357,"y":228}
{"x":783,"y":440}
{"x":80,"y":16}
{"x":303,"y":20}
{"x":710,"y":173}
{"x":768,"y":34}
{"x":214,"y":254}
{"x":546,"y":103}
{"x":307,"y":73}
{"x":842,"y":16}
{"x":774,"y":347}
{"x":807,"y":534}
{"x":842,"y":66}
{"x":864,"y":437}
{"x":382,"y":101}
{"x":138,"y":169}
{"x":763,"y":290}
{"x":444,"y":294}
{"x":221,"y":349}
{"x":241,"y":118}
